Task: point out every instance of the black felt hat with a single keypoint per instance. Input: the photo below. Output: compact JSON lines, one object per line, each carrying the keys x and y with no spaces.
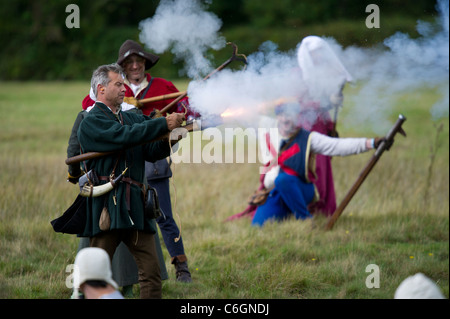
{"x":130,"y":47}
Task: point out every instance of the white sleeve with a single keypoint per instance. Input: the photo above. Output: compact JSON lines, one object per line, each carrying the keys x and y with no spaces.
{"x":332,"y":146}
{"x":269,"y":178}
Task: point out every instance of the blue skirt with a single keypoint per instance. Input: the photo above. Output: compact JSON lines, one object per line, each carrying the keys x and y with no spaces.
{"x":290,"y":196}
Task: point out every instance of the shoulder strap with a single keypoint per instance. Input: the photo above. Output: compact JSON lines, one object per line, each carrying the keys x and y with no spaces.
{"x":147,"y":88}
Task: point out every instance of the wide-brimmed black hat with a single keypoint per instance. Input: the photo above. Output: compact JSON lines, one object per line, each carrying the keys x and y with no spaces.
{"x":130,"y":47}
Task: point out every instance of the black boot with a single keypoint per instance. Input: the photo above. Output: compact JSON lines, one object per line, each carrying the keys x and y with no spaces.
{"x":181,"y":269}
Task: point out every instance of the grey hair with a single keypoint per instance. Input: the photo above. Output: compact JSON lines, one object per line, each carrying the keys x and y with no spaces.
{"x":100,"y":75}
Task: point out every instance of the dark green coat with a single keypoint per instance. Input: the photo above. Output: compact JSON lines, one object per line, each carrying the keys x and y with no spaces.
{"x":101,"y":131}
{"x":73,"y":149}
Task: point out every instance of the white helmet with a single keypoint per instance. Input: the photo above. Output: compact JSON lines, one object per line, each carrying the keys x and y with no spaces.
{"x":418,"y":286}
{"x":92,"y":263}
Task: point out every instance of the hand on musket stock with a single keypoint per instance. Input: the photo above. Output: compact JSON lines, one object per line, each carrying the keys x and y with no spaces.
{"x":194,"y":125}
{"x":174,"y":120}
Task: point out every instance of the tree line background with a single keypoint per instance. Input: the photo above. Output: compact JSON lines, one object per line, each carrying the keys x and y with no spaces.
{"x":36,"y":44}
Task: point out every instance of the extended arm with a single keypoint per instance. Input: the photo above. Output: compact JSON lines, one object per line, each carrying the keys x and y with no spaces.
{"x":331,"y":146}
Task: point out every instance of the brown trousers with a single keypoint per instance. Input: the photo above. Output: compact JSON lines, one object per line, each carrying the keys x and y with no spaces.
{"x":142,"y":247}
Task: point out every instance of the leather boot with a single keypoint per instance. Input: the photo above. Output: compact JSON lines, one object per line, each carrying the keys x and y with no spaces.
{"x":181,"y":269}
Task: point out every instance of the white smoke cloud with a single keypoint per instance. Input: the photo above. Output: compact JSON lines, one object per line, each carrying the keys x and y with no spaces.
{"x":184,"y":27}
{"x":399,"y":65}
{"x":403,"y":65}
{"x":269,"y":75}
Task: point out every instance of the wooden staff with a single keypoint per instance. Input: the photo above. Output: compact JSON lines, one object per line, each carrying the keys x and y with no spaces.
{"x":384,"y":145}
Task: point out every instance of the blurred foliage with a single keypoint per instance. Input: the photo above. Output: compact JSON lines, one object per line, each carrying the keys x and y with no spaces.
{"x":37,"y":45}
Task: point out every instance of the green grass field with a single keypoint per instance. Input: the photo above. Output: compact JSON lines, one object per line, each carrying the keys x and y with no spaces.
{"x":398,"y":220}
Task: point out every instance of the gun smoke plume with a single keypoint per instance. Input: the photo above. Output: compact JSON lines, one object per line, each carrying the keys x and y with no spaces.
{"x":402,"y":65}
{"x":270,"y":75}
{"x":184,"y":27}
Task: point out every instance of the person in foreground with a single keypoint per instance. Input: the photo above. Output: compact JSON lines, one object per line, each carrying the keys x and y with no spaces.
{"x":119,"y":215}
{"x":293,"y":188}
{"x":93,"y":275}
{"x":141,"y":85}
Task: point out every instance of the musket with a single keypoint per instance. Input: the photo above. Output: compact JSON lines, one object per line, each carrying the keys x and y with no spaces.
{"x":234,"y":57}
{"x":189,"y":127}
{"x":132,"y":100}
{"x":175,"y":135}
{"x":384,"y":145}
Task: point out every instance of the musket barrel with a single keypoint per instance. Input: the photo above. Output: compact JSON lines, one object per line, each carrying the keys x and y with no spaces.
{"x":162,"y":97}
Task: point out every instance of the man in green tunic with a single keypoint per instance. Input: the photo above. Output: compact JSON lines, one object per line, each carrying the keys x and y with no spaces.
{"x":107,"y":129}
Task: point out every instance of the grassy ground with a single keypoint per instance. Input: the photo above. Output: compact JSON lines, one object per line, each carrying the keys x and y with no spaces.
{"x":398,"y":220}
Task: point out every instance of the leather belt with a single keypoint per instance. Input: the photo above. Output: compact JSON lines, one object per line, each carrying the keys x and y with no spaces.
{"x":128,"y":181}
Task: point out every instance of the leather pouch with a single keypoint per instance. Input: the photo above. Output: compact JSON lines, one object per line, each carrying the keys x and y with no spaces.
{"x":152,"y":209}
